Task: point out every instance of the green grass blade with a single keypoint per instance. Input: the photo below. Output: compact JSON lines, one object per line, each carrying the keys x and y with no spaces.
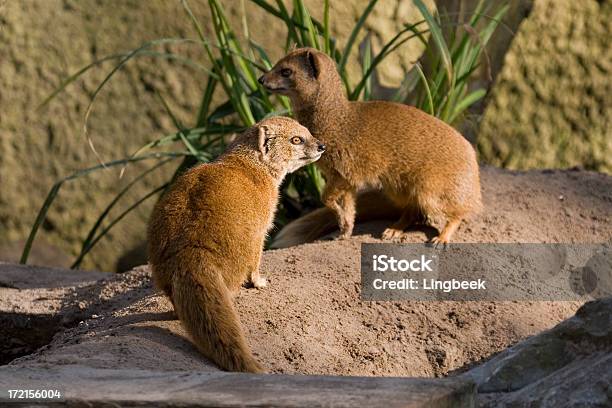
{"x":209,"y":91}
{"x":40,"y":218}
{"x":289,"y":22}
{"x":477,"y":13}
{"x":244,"y":101}
{"x":117,"y":67}
{"x":71,"y":78}
{"x":111,"y":205}
{"x":418,"y":68}
{"x":267,"y":63}
{"x":313,"y":34}
{"x":296,"y":14}
{"x":317,"y":179}
{"x":42,"y":213}
{"x":365,"y":66}
{"x":201,"y":155}
{"x":114,"y":222}
{"x":386,"y":50}
{"x":466,"y":102}
{"x":326,"y":36}
{"x":282,"y":14}
{"x":438,"y":38}
{"x":177,"y":124}
{"x":407,"y":85}
{"x":194,"y":20}
{"x":125,"y":57}
{"x":354,"y":33}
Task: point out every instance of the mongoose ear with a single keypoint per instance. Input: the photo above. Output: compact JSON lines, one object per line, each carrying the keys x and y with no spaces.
{"x":263,"y":141}
{"x":314,"y":61}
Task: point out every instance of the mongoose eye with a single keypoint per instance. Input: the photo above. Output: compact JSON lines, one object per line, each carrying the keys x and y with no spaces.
{"x":286,"y":72}
{"x":296,"y":140}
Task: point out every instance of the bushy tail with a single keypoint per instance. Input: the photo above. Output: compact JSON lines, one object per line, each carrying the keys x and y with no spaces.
{"x":371,"y":205}
{"x":204,"y":306}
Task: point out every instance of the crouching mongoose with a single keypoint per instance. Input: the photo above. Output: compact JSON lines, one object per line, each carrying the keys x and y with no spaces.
{"x":206,"y":233}
{"x":424,"y":166}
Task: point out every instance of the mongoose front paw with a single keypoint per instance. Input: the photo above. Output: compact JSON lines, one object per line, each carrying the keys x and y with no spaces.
{"x":260,"y":282}
{"x":392,"y":234}
{"x":439,"y":241}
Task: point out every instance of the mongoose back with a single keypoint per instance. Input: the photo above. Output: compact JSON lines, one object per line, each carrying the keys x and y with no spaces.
{"x":206,"y":234}
{"x":424,"y":166}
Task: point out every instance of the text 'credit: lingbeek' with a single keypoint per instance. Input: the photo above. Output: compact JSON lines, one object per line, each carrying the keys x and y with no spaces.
{"x":485,"y":272}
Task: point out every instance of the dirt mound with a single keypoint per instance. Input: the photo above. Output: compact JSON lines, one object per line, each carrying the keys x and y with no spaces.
{"x":310,"y":319}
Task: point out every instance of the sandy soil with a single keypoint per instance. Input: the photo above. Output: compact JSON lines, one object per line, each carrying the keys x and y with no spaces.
{"x":310,"y":319}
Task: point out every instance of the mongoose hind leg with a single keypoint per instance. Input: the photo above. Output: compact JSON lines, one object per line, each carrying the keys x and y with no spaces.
{"x":396,"y":231}
{"x":448,"y":230}
{"x":339,"y":196}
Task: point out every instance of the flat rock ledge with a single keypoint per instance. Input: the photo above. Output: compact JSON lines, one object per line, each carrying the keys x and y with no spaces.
{"x":84,"y":386}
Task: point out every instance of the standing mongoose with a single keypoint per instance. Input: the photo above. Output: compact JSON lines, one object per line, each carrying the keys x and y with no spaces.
{"x":424,"y":166}
{"x":206,"y":234}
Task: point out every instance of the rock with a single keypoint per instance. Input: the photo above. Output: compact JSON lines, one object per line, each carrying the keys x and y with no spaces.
{"x":583,"y":383}
{"x":42,"y":253}
{"x":32,"y":277}
{"x":551,"y":106}
{"x":38,"y":302}
{"x":121,"y":387}
{"x":569,"y":365}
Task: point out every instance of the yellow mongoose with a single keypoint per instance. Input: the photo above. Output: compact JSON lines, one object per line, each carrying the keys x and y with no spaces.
{"x":206,"y":234}
{"x":424,"y":166}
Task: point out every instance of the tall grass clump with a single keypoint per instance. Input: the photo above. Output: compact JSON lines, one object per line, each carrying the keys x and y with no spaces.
{"x":438,"y":84}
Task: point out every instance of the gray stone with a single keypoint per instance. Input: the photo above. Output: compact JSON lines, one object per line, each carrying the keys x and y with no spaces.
{"x":569,"y":365}
{"x":117,"y":387}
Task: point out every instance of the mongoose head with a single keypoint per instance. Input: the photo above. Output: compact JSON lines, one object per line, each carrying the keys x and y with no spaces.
{"x":282,"y":144}
{"x":299,"y":74}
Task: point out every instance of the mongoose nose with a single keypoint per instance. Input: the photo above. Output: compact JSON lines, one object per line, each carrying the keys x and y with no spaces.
{"x":321,"y":147}
{"x":261,"y":79}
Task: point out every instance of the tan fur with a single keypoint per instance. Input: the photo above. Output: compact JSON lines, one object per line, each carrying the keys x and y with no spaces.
{"x":371,"y":205}
{"x":206,"y":234}
{"x":424,"y":166}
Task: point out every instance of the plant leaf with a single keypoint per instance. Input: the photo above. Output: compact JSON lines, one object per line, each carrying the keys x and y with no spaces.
{"x":354,"y":33}
{"x":437,"y":37}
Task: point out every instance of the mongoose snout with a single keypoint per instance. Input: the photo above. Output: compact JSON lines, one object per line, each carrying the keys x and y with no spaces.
{"x":423,"y":165}
{"x":206,"y":233}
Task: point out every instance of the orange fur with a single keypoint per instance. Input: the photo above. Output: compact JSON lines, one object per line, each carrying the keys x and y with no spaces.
{"x":206,"y":234}
{"x":424,"y":166}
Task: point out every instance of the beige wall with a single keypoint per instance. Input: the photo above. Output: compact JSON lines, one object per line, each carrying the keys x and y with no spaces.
{"x":551,"y":105}
{"x":44,"y":41}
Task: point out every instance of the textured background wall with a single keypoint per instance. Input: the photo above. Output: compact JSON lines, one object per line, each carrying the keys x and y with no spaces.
{"x":43,"y":41}
{"x":550,"y":107}
{"x":552,"y":103}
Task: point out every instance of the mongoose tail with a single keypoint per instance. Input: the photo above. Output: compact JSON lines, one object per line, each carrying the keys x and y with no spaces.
{"x":205,"y":308}
{"x":371,"y":205}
